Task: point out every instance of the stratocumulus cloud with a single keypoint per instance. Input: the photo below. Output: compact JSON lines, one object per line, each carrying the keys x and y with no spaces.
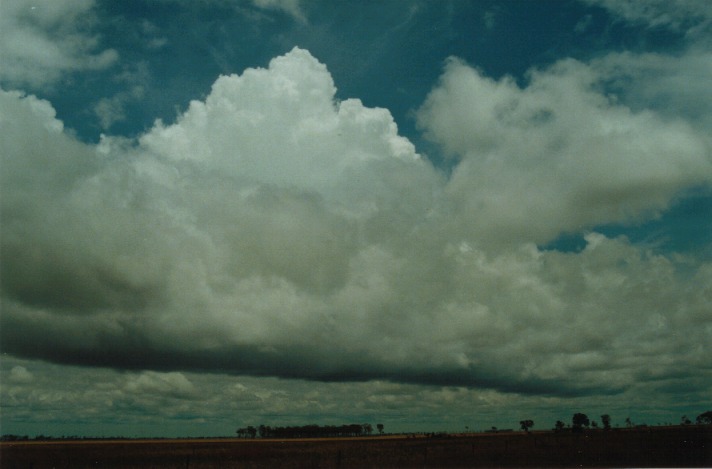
{"x":275,"y":231}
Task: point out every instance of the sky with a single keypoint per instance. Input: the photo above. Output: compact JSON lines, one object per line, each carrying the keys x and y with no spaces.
{"x":434,"y":215}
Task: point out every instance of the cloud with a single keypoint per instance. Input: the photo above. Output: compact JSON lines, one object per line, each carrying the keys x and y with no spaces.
{"x":672,"y":86}
{"x":112,"y":110}
{"x":557,"y":155}
{"x":39,"y":42}
{"x":150,"y":382}
{"x":490,"y":17}
{"x":133,"y":81}
{"x":19,"y":374}
{"x":274,"y":231}
{"x":690,"y":15}
{"x":291,"y":7}
{"x":63,"y":398}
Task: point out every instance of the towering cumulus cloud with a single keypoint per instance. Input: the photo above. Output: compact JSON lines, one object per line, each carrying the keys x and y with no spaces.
{"x":274,"y":231}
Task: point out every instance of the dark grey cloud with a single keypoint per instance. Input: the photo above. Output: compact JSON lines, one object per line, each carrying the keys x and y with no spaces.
{"x":132,"y":350}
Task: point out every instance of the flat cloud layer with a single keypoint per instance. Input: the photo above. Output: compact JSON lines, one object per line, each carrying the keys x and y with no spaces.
{"x":273,"y":231}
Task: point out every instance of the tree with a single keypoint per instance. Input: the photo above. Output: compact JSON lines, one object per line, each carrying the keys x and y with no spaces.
{"x":526,"y":425}
{"x":606,"y":421}
{"x":367,"y":428}
{"x":252,"y":431}
{"x":354,"y":429}
{"x":628,"y":422}
{"x":559,"y":426}
{"x":684,"y":420}
{"x":264,"y":431}
{"x":380,"y":428}
{"x":578,"y":421}
{"x":704,"y":418}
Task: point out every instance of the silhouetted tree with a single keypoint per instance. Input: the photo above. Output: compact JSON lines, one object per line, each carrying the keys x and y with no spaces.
{"x":367,"y":428}
{"x":628,"y":422}
{"x":704,"y":418}
{"x":264,"y":431}
{"x":380,"y":428}
{"x":684,"y":420}
{"x":578,"y":421}
{"x":606,"y":421}
{"x":354,"y":429}
{"x":526,"y":425}
{"x":559,"y":426}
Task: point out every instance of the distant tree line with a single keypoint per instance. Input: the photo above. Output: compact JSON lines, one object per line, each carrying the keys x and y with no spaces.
{"x":309,"y":431}
{"x":579,"y":421}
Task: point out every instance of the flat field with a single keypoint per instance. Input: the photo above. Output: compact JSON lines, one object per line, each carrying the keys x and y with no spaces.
{"x":688,"y":446}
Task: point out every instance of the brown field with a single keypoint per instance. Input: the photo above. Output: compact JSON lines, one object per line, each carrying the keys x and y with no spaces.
{"x":689,"y":446}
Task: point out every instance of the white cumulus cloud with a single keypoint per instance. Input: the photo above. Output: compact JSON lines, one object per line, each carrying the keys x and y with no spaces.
{"x":275,"y":231}
{"x":558,"y":154}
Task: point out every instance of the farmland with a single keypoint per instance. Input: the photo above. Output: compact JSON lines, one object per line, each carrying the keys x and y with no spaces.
{"x":676,"y":446}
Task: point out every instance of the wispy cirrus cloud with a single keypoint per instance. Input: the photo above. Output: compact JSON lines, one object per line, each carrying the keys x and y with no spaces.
{"x":291,"y":7}
{"x":39,"y":42}
{"x":691,"y":16}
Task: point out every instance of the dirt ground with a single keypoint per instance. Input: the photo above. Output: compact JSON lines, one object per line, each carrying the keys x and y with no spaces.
{"x":688,"y":446}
